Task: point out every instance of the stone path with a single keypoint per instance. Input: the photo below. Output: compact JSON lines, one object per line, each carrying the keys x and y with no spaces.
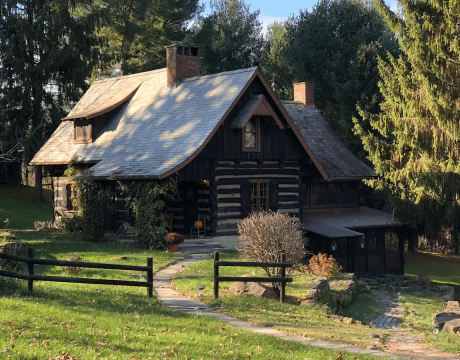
{"x":404,"y":343}
{"x":173,"y":298}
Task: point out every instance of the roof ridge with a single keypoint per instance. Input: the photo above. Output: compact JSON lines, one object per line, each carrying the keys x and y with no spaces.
{"x":130,"y":76}
{"x":224,"y":73}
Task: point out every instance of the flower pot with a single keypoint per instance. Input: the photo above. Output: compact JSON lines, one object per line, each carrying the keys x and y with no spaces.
{"x":173,"y":248}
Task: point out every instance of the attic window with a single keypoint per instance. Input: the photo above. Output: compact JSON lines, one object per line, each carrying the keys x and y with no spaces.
{"x":83,"y":132}
{"x":251,"y":132}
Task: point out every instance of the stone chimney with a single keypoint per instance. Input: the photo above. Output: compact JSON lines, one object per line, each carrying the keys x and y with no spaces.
{"x":304,"y":93}
{"x":182,"y":62}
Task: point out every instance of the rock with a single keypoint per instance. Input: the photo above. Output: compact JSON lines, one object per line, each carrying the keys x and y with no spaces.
{"x":442,"y":317}
{"x":363,"y":286}
{"x":238,"y":288}
{"x":369,"y":281}
{"x":256,"y":289}
{"x":452,"y":304}
{"x":452,"y":326}
{"x":343,"y":319}
{"x":321,"y":284}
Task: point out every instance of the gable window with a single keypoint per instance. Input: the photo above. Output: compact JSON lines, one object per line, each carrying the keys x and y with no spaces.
{"x":82,"y":132}
{"x":259,"y":196}
{"x":251,"y":133}
{"x":71,"y":194}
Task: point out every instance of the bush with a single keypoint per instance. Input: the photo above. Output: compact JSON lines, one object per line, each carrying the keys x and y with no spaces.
{"x":73,"y":270}
{"x":323,"y":265}
{"x":264,"y":236}
{"x":173,"y":239}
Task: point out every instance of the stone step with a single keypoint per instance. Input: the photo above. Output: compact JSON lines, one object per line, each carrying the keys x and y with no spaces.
{"x":207,"y":250}
{"x":197,"y":245}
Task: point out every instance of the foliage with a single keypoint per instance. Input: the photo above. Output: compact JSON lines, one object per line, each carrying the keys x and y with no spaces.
{"x":335,"y":46}
{"x":137,"y":31}
{"x":173,"y":239}
{"x":73,"y":270}
{"x":229,"y":37}
{"x":92,"y":201}
{"x":323,"y":265}
{"x":264,"y":236}
{"x":47,"y":50}
{"x":414,"y":143}
{"x":146,"y":200}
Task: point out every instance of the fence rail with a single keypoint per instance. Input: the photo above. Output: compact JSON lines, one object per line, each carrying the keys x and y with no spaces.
{"x":281,"y":279}
{"x":31,"y":277}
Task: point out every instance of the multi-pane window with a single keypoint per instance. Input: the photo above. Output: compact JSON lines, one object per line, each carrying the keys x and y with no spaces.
{"x":259,"y":196}
{"x":251,"y":135}
{"x":71,"y":195}
{"x":82,"y":132}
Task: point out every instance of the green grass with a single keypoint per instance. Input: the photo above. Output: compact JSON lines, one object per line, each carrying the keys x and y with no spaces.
{"x":309,"y":321}
{"x":425,"y":304}
{"x":108,"y":322}
{"x":365,"y":304}
{"x":17,"y":206}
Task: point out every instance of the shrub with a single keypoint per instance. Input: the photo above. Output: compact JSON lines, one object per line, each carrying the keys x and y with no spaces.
{"x":323,"y":265}
{"x":264,"y":236}
{"x":73,"y":270}
{"x":173,"y":239}
{"x":41,"y":225}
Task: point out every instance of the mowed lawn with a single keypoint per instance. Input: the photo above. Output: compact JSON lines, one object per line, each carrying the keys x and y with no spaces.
{"x":83,"y":321}
{"x":17,"y":206}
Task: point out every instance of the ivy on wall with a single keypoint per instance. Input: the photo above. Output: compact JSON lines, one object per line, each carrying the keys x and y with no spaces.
{"x":92,"y":202}
{"x":146,"y":200}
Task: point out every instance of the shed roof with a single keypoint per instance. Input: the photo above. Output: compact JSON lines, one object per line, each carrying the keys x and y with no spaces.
{"x":152,"y":132}
{"x":361,"y":217}
{"x":327,"y":150}
{"x":328,"y":229}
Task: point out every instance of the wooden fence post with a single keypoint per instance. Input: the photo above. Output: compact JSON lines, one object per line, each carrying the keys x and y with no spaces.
{"x":216,"y":275}
{"x":30,"y":282}
{"x":283,"y":275}
{"x":150,"y":277}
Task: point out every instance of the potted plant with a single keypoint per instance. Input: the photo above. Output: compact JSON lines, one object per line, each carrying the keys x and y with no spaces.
{"x":173,"y":240}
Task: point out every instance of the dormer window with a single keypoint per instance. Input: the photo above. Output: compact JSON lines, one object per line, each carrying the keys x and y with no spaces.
{"x":83,"y":132}
{"x":251,"y":133}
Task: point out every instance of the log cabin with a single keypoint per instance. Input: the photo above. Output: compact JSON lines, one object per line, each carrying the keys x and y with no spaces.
{"x":236,"y":149}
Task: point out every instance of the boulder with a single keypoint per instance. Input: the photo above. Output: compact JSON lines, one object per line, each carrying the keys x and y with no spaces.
{"x":363,"y":286}
{"x":452,"y":326}
{"x":454,"y":305}
{"x":369,"y":281}
{"x":256,"y":289}
{"x":442,"y":317}
{"x":238,"y":288}
{"x":321,"y":284}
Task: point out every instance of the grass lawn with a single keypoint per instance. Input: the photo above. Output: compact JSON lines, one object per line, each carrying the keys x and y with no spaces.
{"x":307,"y":321}
{"x":108,"y":322}
{"x":17,"y":206}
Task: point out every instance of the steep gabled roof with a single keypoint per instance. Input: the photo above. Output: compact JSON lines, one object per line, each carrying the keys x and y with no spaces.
{"x":155,"y":131}
{"x":324,"y":146}
{"x":258,"y":105}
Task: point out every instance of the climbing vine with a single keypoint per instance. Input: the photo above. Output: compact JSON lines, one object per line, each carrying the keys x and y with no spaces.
{"x":146,"y":200}
{"x":92,"y":201}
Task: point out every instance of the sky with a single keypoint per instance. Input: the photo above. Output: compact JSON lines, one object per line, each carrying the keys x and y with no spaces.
{"x":271,"y":10}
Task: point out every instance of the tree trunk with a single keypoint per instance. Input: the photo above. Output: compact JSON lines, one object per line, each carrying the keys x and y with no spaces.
{"x":38,"y":194}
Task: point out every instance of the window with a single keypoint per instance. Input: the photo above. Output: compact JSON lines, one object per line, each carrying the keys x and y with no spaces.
{"x":71,"y":194}
{"x":251,"y":135}
{"x":259,"y":196}
{"x":82,"y":132}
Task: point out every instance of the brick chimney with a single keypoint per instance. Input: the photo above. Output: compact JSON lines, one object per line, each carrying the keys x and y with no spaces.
{"x":304,"y":93}
{"x":182,"y":62}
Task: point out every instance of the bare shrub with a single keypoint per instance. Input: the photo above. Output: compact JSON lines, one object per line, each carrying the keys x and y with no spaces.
{"x":264,"y":236}
{"x":42,"y":225}
{"x":73,"y":270}
{"x":323,"y":265}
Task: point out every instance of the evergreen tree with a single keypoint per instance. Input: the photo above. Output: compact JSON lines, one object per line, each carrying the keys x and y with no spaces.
{"x":229,"y":37}
{"x":136,"y":31}
{"x":335,"y":46}
{"x":415,"y":141}
{"x":47,"y":55}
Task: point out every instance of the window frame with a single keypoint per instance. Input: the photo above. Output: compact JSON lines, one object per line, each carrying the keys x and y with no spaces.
{"x":70,"y":189}
{"x":78,"y":124}
{"x":257,"y":133}
{"x":258,"y":197}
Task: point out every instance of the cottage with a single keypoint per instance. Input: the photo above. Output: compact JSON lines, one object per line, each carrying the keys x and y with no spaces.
{"x":236,"y":148}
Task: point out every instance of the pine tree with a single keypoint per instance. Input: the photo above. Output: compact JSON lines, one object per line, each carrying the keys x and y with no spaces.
{"x":229,"y":37}
{"x":414,"y":144}
{"x":335,"y":46}
{"x":47,"y":49}
{"x":136,"y":31}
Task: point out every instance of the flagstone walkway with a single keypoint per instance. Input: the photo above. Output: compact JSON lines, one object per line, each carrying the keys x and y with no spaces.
{"x":400,"y":341}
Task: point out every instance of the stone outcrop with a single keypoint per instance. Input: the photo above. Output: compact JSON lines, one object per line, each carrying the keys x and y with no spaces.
{"x":335,"y":294}
{"x":253,"y":288}
{"x":443,"y":317}
{"x":363,"y":286}
{"x":452,"y":326}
